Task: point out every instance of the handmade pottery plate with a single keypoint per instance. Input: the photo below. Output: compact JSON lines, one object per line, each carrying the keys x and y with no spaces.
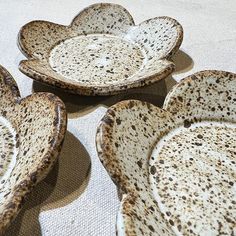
{"x":101,"y":52}
{"x":31,"y":134}
{"x":175,"y":166}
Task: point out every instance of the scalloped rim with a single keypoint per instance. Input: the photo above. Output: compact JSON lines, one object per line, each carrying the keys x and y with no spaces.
{"x":21,"y":190}
{"x":77,"y":87}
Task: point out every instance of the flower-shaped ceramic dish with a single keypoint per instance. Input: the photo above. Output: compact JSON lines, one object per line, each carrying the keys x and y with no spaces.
{"x":175,"y":166}
{"x":101,"y":52}
{"x":31,"y":134}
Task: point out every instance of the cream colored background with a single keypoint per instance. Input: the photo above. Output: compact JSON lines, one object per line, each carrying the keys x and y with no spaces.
{"x":74,"y":199}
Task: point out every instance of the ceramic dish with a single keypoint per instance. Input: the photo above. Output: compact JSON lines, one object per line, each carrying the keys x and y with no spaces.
{"x":31,"y":134}
{"x":101,"y":52}
{"x":175,"y":166}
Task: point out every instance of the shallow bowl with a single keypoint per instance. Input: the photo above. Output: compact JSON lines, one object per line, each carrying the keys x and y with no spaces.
{"x":102,"y":52}
{"x":175,"y":167}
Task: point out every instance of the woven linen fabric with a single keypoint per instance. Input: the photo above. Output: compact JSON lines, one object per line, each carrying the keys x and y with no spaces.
{"x":78,"y":197}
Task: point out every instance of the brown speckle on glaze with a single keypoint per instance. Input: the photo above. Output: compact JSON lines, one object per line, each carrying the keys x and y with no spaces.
{"x":27,"y":154}
{"x":102,"y":52}
{"x":176,"y":169}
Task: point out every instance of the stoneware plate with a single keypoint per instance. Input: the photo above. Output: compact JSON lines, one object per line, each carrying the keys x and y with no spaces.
{"x":101,"y":52}
{"x":31,"y":134}
{"x":176,"y":166}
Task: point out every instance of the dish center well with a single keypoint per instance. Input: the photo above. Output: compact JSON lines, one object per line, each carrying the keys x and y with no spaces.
{"x":8,"y":149}
{"x":97,"y":59}
{"x":192,"y":177}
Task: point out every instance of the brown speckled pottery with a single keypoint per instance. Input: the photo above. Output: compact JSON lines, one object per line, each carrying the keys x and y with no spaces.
{"x":102,"y":52}
{"x":31,"y":134}
{"x":176,"y":166}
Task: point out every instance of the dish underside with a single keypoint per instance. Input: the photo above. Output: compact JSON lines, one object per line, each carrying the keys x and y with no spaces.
{"x":192,"y":174}
{"x":97,"y":59}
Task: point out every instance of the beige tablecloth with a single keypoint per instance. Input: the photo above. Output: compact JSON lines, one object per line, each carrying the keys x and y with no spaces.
{"x":78,"y":197}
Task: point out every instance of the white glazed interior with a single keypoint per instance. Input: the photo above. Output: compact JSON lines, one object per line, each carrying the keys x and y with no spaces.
{"x":194,"y":177}
{"x":8,"y":149}
{"x":97,"y":59}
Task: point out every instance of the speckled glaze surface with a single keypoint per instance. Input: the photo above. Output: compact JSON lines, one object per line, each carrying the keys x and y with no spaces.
{"x":102,"y":52}
{"x":31,"y":134}
{"x":175,"y":167}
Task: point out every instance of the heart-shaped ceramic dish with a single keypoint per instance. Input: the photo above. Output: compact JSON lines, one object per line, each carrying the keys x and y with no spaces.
{"x":175,"y":166}
{"x":101,"y":52}
{"x":31,"y":134}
